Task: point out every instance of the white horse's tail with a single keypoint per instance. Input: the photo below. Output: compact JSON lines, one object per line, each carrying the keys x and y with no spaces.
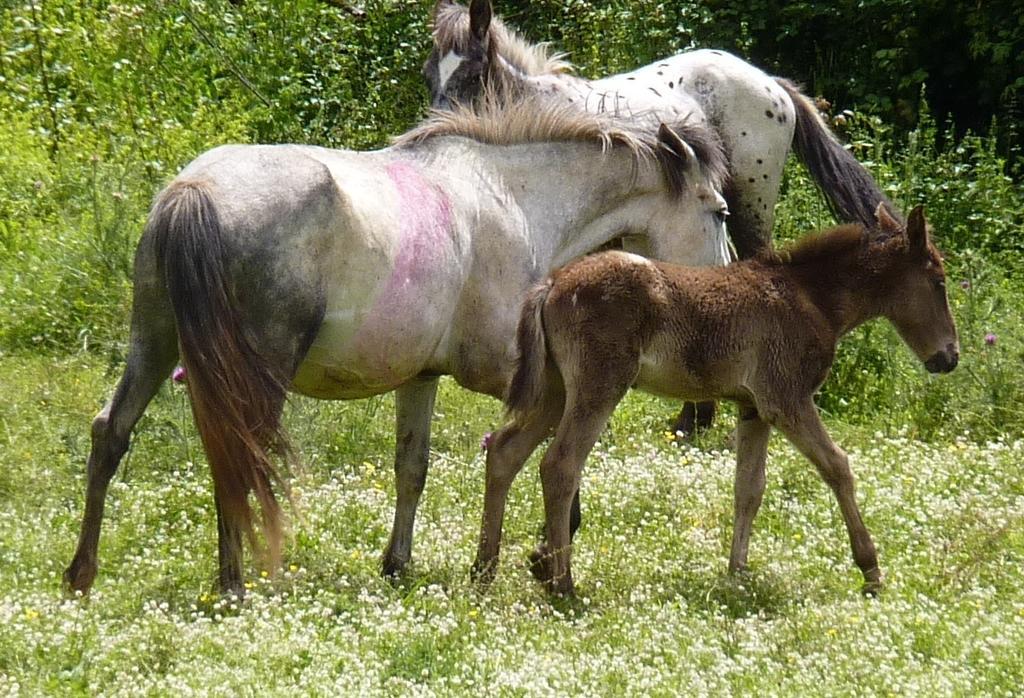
{"x":852,"y":193}
{"x":526,"y":390}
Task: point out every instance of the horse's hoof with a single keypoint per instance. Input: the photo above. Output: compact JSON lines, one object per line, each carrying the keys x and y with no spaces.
{"x":872,"y":584}
{"x":540,"y":564}
{"x":562,"y":587}
{"x":483,"y":573}
{"x":872,"y":590}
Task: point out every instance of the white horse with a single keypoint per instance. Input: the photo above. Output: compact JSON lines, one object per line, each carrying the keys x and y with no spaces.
{"x":341,"y":274}
{"x":757,"y":117}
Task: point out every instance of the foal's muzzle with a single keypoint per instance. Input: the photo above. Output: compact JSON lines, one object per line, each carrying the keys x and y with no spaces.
{"x":943,"y":361}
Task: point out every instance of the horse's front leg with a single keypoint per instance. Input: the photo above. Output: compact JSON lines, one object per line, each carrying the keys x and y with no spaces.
{"x":751,"y":453}
{"x":804,"y":428}
{"x":414,"y":407}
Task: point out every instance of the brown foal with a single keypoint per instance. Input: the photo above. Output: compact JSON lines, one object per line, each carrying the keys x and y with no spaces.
{"x":761,"y":332}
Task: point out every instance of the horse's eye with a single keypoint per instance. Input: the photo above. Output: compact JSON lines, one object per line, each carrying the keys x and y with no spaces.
{"x":940,"y":284}
{"x":721,"y":214}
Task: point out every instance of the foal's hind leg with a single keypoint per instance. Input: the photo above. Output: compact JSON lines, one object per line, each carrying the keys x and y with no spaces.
{"x":414,"y":407}
{"x":751,"y":452}
{"x":587,"y":409}
{"x":511,"y":446}
{"x":150,"y":359}
{"x":805,"y":430}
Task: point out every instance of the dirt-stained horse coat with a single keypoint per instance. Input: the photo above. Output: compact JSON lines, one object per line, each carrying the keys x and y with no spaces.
{"x":343,"y":274}
{"x":762,"y":333}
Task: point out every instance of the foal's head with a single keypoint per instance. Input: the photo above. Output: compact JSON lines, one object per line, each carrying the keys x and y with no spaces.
{"x":469,"y":45}
{"x":916,"y":286}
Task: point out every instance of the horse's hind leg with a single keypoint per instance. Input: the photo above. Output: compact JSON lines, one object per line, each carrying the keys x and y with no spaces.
{"x":751,"y":452}
{"x":805,"y":430}
{"x":694,"y":418}
{"x":414,"y":407}
{"x":150,"y":359}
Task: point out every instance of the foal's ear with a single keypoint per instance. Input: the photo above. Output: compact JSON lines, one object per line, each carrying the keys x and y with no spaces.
{"x":480,"y":13}
{"x":917,"y":231}
{"x":886,"y":222}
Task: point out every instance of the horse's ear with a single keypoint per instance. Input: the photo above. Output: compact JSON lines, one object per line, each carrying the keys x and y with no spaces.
{"x":676,"y":157}
{"x":917,"y":231}
{"x":480,"y":13}
{"x":669,"y":140}
{"x":886,"y":222}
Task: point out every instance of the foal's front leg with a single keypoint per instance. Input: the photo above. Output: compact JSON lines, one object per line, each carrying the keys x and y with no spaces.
{"x":414,"y":407}
{"x":804,"y":428}
{"x":751,"y":453}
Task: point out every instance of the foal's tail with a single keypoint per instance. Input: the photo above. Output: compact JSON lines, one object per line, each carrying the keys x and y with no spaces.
{"x":527,"y":387}
{"x":852,"y":194}
{"x":236,"y":395}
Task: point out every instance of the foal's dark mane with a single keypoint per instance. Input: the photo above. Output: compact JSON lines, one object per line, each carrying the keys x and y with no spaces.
{"x":835,"y":243}
{"x":451,"y":33}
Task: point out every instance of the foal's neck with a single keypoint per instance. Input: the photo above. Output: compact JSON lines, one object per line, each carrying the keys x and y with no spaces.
{"x":842,"y":288}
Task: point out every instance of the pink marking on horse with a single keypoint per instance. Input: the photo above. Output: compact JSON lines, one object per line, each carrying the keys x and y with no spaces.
{"x":426,"y":219}
{"x":424,"y":248}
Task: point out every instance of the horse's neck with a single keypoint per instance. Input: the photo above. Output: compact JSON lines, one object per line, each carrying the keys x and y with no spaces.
{"x":574,"y":197}
{"x":562,"y":84}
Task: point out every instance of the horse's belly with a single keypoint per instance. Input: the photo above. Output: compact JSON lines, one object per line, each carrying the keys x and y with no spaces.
{"x":356,"y":356}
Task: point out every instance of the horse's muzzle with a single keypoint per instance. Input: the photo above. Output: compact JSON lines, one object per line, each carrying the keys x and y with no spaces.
{"x":943,"y":361}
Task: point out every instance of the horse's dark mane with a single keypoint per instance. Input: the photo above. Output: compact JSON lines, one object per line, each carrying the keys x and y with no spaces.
{"x":538,"y":118}
{"x":451,"y":33}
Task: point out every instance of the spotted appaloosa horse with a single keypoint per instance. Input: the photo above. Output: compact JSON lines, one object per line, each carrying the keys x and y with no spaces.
{"x":757,"y":117}
{"x":760,"y":332}
{"x":340,"y":274}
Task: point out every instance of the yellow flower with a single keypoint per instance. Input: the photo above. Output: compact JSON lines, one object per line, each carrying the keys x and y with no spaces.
{"x":31,"y":613}
{"x":473,"y":613}
{"x":293,"y":568}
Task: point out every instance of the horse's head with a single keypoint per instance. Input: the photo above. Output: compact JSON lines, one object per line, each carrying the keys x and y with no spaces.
{"x":459,"y":63}
{"x":918,"y":306}
{"x":690,"y":225}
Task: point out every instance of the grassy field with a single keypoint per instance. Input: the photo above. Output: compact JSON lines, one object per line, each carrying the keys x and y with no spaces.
{"x":101,"y":103}
{"x":656,"y":613}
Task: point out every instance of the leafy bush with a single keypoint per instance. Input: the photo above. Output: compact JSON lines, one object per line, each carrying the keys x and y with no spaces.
{"x":100,"y":104}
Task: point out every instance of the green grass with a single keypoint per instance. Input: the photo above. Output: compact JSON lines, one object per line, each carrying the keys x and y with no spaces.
{"x":656,"y":614}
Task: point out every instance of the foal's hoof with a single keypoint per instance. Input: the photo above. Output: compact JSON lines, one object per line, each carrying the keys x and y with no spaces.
{"x":78,"y":577}
{"x":391,"y":568}
{"x":540,"y":564}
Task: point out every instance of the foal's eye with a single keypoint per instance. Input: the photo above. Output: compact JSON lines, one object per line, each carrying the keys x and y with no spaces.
{"x":721,"y":214}
{"x":940,"y":284}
